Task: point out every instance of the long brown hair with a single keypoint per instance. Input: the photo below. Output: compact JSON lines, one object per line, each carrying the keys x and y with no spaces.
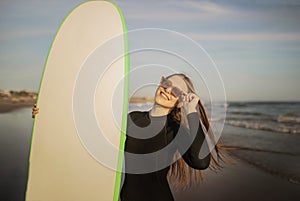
{"x":181,"y":175}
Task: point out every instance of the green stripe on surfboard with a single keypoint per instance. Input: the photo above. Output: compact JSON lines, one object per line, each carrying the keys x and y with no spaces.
{"x":125,"y":109}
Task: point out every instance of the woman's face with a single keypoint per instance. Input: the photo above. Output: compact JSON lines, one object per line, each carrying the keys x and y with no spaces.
{"x":163,"y":95}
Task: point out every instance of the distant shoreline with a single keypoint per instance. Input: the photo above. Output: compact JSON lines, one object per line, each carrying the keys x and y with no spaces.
{"x":141,"y":99}
{"x":11,"y":100}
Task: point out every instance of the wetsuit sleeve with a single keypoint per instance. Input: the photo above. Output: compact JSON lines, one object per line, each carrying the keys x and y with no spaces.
{"x":195,"y":137}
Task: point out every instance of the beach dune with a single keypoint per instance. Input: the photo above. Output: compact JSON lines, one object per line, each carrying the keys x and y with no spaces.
{"x":10,"y":100}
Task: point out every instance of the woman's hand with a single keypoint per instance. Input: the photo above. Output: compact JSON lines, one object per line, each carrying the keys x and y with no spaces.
{"x":35,"y":110}
{"x":189,"y":102}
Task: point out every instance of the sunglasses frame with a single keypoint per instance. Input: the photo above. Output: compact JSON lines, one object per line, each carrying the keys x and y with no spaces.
{"x":175,"y":91}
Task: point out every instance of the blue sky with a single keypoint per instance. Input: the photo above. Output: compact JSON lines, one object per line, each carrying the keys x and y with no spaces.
{"x":255,"y":44}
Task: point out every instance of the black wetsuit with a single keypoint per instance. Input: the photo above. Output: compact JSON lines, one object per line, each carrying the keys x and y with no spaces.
{"x":153,"y":186}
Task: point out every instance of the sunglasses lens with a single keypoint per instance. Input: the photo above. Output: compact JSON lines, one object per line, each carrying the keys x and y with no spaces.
{"x":165,"y":83}
{"x":177,"y":92}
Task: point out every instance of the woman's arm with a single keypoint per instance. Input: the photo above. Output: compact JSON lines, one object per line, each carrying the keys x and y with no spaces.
{"x":195,"y":137}
{"x":192,"y":140}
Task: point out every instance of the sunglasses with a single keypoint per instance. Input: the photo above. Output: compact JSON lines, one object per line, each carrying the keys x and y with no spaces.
{"x":176,"y":92}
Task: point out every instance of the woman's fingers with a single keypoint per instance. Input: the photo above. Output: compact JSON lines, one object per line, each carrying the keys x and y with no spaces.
{"x":193,"y":97}
{"x":35,"y":111}
{"x":190,"y":103}
{"x":189,"y":97}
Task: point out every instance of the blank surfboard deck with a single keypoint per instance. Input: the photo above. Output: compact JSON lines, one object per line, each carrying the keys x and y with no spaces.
{"x":60,"y":166}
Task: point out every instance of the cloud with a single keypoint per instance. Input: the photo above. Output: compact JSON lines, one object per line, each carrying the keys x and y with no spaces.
{"x":255,"y":36}
{"x":176,"y":10}
{"x":18,"y":9}
{"x":220,"y":16}
{"x":207,"y":7}
{"x":13,"y":35}
{"x":277,"y":2}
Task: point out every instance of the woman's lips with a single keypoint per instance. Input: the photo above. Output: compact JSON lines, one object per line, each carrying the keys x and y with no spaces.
{"x":164,"y":95}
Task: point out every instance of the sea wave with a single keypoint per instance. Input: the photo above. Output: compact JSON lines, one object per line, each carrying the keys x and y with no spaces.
{"x":217,"y":119}
{"x":285,"y":118}
{"x":288,"y":119}
{"x":239,"y":112}
{"x":263,"y":126}
{"x":245,"y":103}
{"x":216,"y":104}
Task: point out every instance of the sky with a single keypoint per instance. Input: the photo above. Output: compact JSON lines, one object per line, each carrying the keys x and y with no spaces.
{"x":254,"y":44}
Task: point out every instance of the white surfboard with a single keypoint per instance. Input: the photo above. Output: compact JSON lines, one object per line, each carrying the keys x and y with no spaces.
{"x":62,"y":167}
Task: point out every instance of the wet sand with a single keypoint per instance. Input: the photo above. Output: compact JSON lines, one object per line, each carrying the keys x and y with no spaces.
{"x":267,"y":168}
{"x":241,"y":182}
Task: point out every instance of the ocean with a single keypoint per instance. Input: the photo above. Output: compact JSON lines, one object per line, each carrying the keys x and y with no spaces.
{"x":263,"y":134}
{"x":267,"y":135}
{"x":282,"y":117}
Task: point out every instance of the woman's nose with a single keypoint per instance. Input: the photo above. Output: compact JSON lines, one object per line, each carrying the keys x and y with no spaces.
{"x":169,"y":89}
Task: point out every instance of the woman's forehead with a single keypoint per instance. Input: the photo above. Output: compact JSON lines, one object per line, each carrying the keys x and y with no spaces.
{"x":178,"y":81}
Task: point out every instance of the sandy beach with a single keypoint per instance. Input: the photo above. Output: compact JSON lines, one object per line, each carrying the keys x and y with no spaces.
{"x":242,"y":181}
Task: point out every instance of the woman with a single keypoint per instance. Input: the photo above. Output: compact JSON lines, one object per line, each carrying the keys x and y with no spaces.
{"x":182,"y":112}
{"x":179,"y":113}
